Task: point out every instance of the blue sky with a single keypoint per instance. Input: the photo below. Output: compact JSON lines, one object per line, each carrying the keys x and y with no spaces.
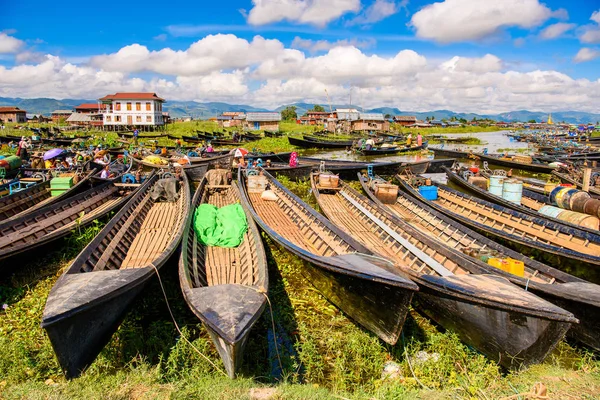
{"x":553,"y":44}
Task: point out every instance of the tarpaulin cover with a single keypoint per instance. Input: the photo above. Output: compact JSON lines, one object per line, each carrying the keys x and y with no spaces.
{"x":220,"y":227}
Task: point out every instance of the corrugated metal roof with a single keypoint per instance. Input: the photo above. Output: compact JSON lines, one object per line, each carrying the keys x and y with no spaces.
{"x":350,"y":116}
{"x":263,"y":116}
{"x":79,"y":117}
{"x":405,"y":118}
{"x":62,"y":112}
{"x":372,"y":116}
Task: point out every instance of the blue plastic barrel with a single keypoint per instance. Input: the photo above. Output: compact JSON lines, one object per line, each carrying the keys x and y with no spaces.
{"x":512,"y":190}
{"x":496,"y":184}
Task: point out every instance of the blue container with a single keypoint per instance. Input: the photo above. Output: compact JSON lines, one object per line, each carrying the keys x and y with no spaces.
{"x":550,"y":211}
{"x":512,"y":190}
{"x":429,"y":192}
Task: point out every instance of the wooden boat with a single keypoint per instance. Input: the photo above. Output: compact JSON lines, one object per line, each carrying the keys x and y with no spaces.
{"x":368,"y":289}
{"x":593,"y":191}
{"x":91,"y":298}
{"x":59,"y":219}
{"x":39,"y":195}
{"x":317,"y":143}
{"x":273,"y":134}
{"x":531,"y":202}
{"x":441,"y":152}
{"x":509,"y":163}
{"x":58,"y":142}
{"x":224,"y":287}
{"x":501,"y":320}
{"x":142,"y":136}
{"x":573,"y":294}
{"x":559,"y":245}
{"x":329,"y":140}
{"x":117,"y":168}
{"x":379,"y":151}
{"x":436,"y":165}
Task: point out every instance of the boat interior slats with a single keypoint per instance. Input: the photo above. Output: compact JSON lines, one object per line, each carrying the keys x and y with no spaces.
{"x":153,"y":236}
{"x":512,"y":224}
{"x":66,"y":216}
{"x":353,"y":220}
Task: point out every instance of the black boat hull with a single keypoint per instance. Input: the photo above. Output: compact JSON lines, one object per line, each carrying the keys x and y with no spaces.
{"x":512,"y":339}
{"x":78,"y":339}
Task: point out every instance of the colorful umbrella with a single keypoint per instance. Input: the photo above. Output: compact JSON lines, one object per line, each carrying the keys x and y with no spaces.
{"x":239,"y":152}
{"x":53,"y":153}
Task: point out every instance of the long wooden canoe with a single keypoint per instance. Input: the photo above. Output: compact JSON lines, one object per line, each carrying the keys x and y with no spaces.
{"x":504,"y":322}
{"x":560,"y":245}
{"x":573,"y":294}
{"x":441,"y":152}
{"x":91,"y":298}
{"x":224,"y":287}
{"x":379,"y":151}
{"x":368,"y":289}
{"x":39,"y":195}
{"x":317,"y":144}
{"x":59,"y":219}
{"x":530,"y":206}
{"x":503,"y":162}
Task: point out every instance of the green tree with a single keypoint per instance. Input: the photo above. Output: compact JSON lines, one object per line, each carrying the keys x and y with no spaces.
{"x":387,"y":116}
{"x":463,"y":121}
{"x":289,"y":113}
{"x":532,"y":121}
{"x":317,"y":108}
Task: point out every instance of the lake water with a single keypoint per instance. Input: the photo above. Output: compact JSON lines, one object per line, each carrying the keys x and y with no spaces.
{"x":492,"y":140}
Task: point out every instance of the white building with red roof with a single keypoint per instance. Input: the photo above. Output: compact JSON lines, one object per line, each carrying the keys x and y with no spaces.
{"x":132,"y":110}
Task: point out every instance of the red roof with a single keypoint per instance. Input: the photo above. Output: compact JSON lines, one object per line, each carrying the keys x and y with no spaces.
{"x":90,"y":106}
{"x":10,"y":109}
{"x":132,"y":96}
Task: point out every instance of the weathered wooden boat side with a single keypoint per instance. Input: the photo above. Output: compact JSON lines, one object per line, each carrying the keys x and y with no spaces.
{"x":530,"y":204}
{"x":573,"y":294}
{"x":368,"y":289}
{"x":436,"y":165}
{"x":224,"y":287}
{"x":316,"y":144}
{"x":533,"y":167}
{"x":91,"y":298}
{"x":515,"y":227}
{"x":392,"y":150}
{"x":59,"y":219}
{"x":442,"y":152}
{"x":502,"y":321}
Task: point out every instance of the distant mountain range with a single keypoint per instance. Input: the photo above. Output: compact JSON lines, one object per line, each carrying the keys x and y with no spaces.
{"x":197,"y":110}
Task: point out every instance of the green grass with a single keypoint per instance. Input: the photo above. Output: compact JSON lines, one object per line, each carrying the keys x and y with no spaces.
{"x":326,"y":355}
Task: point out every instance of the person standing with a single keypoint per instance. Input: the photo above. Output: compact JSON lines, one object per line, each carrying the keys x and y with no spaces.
{"x":419,"y":140}
{"x":135,"y":136}
{"x":409,"y":140}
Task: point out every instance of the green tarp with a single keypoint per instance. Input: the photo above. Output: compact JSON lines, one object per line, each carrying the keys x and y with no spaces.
{"x":220,"y":227}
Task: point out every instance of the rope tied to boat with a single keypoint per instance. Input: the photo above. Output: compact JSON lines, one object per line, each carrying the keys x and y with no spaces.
{"x":177,"y":325}
{"x":263,"y":291}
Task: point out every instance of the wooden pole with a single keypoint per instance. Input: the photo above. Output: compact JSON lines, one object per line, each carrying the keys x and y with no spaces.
{"x":587,"y":174}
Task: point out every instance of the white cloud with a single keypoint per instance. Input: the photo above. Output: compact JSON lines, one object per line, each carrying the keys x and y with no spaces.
{"x":586,"y":54}
{"x":459,"y":20}
{"x":264,"y":73}
{"x":314,"y":12}
{"x":315,"y":46}
{"x":591,"y":33}
{"x":9,"y":44}
{"x":213,"y":52}
{"x":377,"y":11}
{"x":556,"y":30}
{"x":161,"y":38}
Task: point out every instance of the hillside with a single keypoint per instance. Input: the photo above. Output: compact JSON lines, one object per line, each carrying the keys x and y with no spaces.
{"x":198,"y":110}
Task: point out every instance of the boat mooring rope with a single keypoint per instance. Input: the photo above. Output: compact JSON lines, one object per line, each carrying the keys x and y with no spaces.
{"x":177,"y":326}
{"x":259,"y":290}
